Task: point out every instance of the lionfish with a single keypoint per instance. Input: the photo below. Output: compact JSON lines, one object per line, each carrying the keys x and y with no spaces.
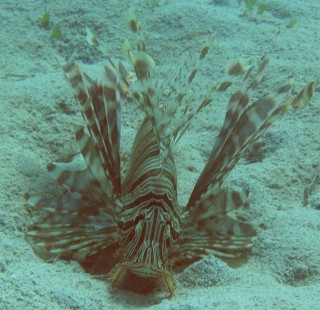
{"x":140,"y":214}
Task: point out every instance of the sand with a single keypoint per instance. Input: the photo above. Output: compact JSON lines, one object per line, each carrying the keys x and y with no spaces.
{"x":38,"y":116}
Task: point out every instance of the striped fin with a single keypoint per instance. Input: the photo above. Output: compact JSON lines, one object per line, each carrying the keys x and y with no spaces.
{"x":80,"y":222}
{"x":217,"y":202}
{"x":83,"y":221}
{"x":76,"y":176}
{"x":210,"y":230}
{"x":73,"y":175}
{"x":304,"y":96}
{"x":169,"y":104}
{"x":207,"y":226}
{"x":100,"y":106}
{"x":224,"y":237}
{"x":90,"y":153}
{"x":181,"y":107}
{"x":74,"y":227}
{"x":243,"y":124}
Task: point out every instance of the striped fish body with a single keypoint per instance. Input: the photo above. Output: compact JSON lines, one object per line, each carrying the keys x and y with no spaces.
{"x":149,"y":222}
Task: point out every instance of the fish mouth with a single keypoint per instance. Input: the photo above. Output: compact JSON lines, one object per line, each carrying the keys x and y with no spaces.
{"x":145,"y":271}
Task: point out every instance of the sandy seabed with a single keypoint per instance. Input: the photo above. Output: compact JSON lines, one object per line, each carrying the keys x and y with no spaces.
{"x":38,"y":116}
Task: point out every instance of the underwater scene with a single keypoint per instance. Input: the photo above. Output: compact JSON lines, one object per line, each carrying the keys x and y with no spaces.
{"x":160,"y":154}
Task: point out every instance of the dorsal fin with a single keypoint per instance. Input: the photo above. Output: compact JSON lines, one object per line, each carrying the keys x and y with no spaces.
{"x":170,"y":105}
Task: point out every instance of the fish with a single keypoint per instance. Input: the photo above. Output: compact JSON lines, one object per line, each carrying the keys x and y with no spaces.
{"x":139,"y":214}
